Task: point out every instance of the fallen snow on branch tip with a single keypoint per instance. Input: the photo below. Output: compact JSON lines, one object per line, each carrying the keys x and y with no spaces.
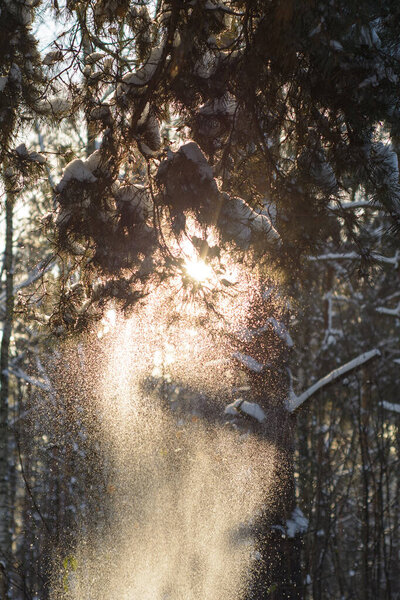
{"x":297,"y":523}
{"x":251,"y":409}
{"x":242,"y":223}
{"x":56,"y":106}
{"x":76,"y":170}
{"x":22,"y":152}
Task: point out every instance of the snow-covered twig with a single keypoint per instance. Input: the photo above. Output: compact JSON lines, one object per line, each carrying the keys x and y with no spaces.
{"x":33,"y":276}
{"x":391,"y":260}
{"x":296,"y":401}
{"x":297,"y":524}
{"x":279,"y":328}
{"x":393,"y":312}
{"x":351,"y":205}
{"x":390,"y":406}
{"x":35,"y":382}
{"x":249,"y":362}
{"x":251,"y":409}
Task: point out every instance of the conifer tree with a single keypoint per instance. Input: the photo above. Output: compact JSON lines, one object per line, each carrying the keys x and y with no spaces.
{"x":255,"y":119}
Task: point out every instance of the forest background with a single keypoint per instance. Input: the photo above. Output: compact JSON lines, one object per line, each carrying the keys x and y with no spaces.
{"x":220,"y":180}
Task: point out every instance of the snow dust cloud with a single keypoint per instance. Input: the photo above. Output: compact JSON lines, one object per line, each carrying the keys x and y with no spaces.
{"x":183,"y":488}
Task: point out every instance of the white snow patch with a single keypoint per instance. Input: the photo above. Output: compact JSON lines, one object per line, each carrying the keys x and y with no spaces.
{"x":36,"y":157}
{"x":23,"y":152}
{"x":269,"y":209}
{"x":393,"y":312}
{"x":138,"y":199}
{"x":252,"y":409}
{"x":93,"y":161}
{"x":297,"y":523}
{"x":15,"y":74}
{"x":76,"y":170}
{"x":249,"y":362}
{"x":192,"y":152}
{"x":317,"y":29}
{"x":226,"y":106}
{"x":206,"y":65}
{"x":368,"y":36}
{"x":336,"y":45}
{"x":143,"y":75}
{"x":391,"y":406}
{"x":143,"y":117}
{"x":242,"y":221}
{"x":294,"y":401}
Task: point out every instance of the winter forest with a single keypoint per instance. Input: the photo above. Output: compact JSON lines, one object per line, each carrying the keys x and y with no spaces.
{"x":199,"y":300}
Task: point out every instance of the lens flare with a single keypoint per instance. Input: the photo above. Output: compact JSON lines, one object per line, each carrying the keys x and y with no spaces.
{"x":198,"y":270}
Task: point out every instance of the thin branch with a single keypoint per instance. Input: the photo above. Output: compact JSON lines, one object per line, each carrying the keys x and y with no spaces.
{"x":295,"y":401}
{"x":33,"y":276}
{"x":352,"y":205}
{"x":392,"y":260}
{"x":390,"y":406}
{"x":29,"y":490}
{"x":393,"y":312}
{"x":19,"y":374}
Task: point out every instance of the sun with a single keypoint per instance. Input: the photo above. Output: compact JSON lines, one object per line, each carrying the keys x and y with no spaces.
{"x":198,"y":270}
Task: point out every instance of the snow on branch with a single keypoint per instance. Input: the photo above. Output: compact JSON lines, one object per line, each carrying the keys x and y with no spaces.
{"x":36,"y":273}
{"x":243,"y":224}
{"x":297,"y":524}
{"x":281,"y":331}
{"x":296,"y":401}
{"x":391,"y":260}
{"x":249,"y":362}
{"x":251,"y":409}
{"x":352,"y":205}
{"x":393,"y":312}
{"x":390,"y":406}
{"x":19,"y":374}
{"x":279,"y":328}
{"x":335,"y":256}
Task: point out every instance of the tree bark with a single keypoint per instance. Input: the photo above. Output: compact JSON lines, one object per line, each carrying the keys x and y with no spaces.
{"x":5,"y":525}
{"x":277,"y":574}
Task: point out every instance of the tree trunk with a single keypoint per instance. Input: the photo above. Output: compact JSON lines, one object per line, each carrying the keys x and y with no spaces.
{"x":279,"y":576}
{"x":277,"y":573}
{"x":5,"y":525}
